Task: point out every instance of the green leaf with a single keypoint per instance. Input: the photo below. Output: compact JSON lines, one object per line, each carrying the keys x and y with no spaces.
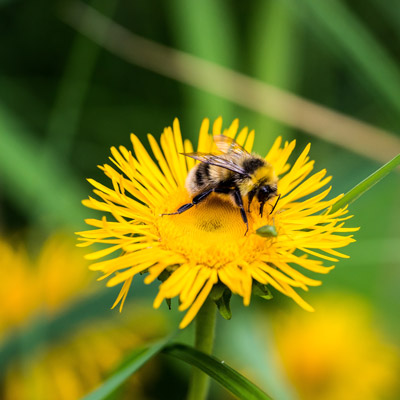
{"x":267,"y":231}
{"x":230,"y":379}
{"x":366,"y":184}
{"x":137,"y":359}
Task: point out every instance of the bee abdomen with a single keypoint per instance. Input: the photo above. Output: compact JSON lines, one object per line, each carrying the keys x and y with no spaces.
{"x":202,"y":175}
{"x":253,"y":164}
{"x":198,"y":178}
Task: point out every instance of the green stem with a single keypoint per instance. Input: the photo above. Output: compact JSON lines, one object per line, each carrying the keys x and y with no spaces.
{"x":205,"y":329}
{"x":366,"y":184}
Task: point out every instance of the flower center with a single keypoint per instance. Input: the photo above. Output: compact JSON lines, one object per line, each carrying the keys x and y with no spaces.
{"x":211,"y":233}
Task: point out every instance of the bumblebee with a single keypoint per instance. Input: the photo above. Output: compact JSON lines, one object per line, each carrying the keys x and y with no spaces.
{"x":235,"y":172}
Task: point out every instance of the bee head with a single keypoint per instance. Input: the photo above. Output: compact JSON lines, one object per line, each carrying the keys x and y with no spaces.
{"x":264,"y":193}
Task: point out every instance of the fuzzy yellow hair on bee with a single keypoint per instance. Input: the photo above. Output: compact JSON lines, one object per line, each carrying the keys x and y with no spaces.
{"x":234,"y":172}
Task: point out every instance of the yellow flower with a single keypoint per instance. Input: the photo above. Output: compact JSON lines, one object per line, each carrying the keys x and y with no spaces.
{"x":42,"y":285}
{"x":207,"y":244}
{"x":73,"y":366}
{"x":337,"y":353}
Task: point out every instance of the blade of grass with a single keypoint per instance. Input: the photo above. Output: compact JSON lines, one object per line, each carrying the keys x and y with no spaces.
{"x":292,"y":110}
{"x":74,"y":85}
{"x":366,"y":184}
{"x":274,"y":44}
{"x":77,"y":313}
{"x":389,"y":13}
{"x":5,"y":2}
{"x":44,"y":188}
{"x":205,"y":29}
{"x":218,"y":370}
{"x":344,"y":29}
{"x":259,"y":353}
{"x":137,"y":359}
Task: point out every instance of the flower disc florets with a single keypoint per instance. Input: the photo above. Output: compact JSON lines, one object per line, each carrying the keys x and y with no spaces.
{"x":207,"y":245}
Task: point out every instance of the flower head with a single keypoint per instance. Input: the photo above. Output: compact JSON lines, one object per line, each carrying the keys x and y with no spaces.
{"x":72,"y":366}
{"x":65,"y":367}
{"x":207,"y":245}
{"x":343,"y":353}
{"x":42,"y":285}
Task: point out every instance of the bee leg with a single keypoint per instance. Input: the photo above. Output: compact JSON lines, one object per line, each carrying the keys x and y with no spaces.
{"x":196,"y":200}
{"x":262,"y":203}
{"x":239,"y":202}
{"x":273,"y":208}
{"x":250,"y":198}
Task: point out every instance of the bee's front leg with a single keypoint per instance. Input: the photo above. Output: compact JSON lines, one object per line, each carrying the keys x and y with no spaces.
{"x":273,"y":208}
{"x":250,"y":198}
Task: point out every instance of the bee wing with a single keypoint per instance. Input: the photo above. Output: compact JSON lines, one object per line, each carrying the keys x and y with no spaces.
{"x":219,"y":161}
{"x":226,"y":144}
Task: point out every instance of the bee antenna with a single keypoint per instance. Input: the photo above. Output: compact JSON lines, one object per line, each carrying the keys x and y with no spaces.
{"x":273,"y":208}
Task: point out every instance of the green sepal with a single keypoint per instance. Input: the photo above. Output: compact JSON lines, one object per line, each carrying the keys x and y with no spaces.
{"x":261,"y":290}
{"x":223,"y":304}
{"x":217,"y":291}
{"x":163,"y":277}
{"x":267,"y":231}
{"x":221,"y":295}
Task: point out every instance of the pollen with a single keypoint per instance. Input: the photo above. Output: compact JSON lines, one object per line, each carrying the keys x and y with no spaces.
{"x":212,"y":233}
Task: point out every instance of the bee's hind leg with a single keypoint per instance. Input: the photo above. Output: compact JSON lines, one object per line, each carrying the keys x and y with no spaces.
{"x":196,"y":200}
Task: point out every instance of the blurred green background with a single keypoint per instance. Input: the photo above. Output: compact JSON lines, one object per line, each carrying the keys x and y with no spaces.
{"x":72,"y":84}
